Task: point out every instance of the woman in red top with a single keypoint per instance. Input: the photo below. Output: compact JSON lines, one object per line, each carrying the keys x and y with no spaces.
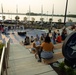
{"x":59,"y":39}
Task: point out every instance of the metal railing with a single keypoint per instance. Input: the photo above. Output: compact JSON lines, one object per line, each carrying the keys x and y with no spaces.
{"x":4,"y":59}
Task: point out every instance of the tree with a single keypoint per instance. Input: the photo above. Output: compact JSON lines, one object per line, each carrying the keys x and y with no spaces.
{"x":33,"y":19}
{"x":41,"y":19}
{"x":70,"y":20}
{"x":17,"y":19}
{"x":60,"y":25}
{"x":3,"y":17}
{"x":59,"y":20}
{"x":25,"y":18}
{"x":50,"y":20}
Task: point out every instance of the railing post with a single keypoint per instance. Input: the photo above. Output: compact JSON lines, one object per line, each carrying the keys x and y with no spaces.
{"x":4,"y":58}
{"x":5,"y":63}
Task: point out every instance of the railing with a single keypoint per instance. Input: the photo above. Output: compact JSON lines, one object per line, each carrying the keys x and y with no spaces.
{"x":4,"y":59}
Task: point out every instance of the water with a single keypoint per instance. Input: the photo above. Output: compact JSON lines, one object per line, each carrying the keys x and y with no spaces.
{"x":37,"y":18}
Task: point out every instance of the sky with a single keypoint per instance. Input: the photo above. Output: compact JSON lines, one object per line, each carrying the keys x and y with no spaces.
{"x":35,"y":6}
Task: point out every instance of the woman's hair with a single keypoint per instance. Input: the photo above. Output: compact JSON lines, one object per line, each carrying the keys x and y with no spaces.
{"x":47,"y":39}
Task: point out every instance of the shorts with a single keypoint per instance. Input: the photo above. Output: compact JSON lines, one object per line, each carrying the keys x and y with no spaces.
{"x":46,"y":55}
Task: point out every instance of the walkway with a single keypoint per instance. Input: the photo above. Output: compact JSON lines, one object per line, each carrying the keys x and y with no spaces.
{"x":22,"y":62}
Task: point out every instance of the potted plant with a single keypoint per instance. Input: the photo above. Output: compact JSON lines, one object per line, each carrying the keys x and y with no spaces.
{"x":66,"y":70}
{"x":70,"y":71}
{"x":62,"y":66}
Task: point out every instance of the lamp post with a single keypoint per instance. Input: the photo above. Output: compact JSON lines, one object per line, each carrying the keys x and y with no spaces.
{"x":65,"y":12}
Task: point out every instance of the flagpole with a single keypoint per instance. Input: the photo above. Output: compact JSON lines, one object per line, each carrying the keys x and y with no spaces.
{"x":52,"y":11}
{"x":52,"y":15}
{"x":2,"y":11}
{"x":42,"y":14}
{"x":41,"y":11}
{"x":17,"y":12}
{"x":29,"y":12}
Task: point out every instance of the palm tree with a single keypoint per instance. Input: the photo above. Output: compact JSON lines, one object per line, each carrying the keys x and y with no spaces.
{"x":17,"y":19}
{"x":70,"y":20}
{"x":3,"y":17}
{"x":33,"y":19}
{"x":59,"y":20}
{"x":41,"y":19}
{"x":60,"y":25}
{"x":25,"y":18}
{"x":50,"y":20}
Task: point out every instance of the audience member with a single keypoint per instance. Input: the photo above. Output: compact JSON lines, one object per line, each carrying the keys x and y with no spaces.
{"x":46,"y":51}
{"x":54,"y":37}
{"x":37,"y":36}
{"x":36,"y":45}
{"x":27,"y":41}
{"x":42,"y":38}
{"x":59,"y":39}
{"x":32,"y":39}
{"x":64,"y":34}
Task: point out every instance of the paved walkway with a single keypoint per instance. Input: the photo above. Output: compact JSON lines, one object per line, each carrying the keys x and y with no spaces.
{"x":22,"y":62}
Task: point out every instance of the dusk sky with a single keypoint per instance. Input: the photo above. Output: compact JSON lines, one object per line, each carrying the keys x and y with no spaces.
{"x":35,"y":6}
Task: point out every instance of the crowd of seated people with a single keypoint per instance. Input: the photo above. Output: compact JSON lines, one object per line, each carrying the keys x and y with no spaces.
{"x":43,"y":49}
{"x":43,"y":46}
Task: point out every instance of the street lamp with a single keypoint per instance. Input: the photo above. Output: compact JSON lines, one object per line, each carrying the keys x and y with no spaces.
{"x":65,"y":12}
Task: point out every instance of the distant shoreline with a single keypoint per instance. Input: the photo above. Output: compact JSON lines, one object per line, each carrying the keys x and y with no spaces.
{"x":39,"y":14}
